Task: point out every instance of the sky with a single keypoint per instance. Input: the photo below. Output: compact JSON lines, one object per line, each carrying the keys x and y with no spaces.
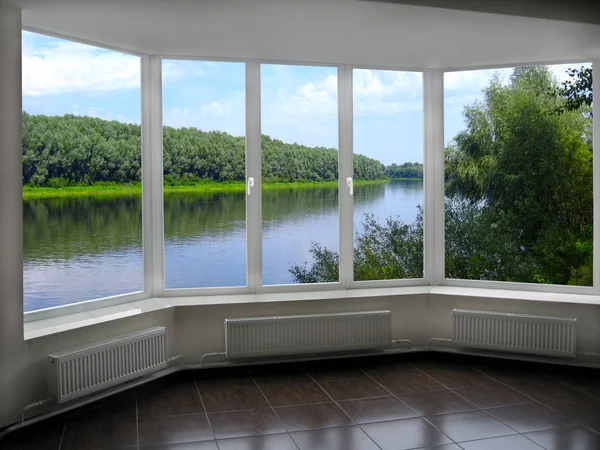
{"x":298,"y":103}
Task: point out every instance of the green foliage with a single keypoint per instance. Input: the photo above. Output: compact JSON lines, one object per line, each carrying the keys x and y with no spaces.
{"x":383,"y":251}
{"x":519,"y":193}
{"x":577,"y":91}
{"x":529,"y":170}
{"x":406,"y":170}
{"x":73,"y":150}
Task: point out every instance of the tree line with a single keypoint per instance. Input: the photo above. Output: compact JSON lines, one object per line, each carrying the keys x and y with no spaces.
{"x":519,"y":193}
{"x":406,"y":170}
{"x":72,"y":150}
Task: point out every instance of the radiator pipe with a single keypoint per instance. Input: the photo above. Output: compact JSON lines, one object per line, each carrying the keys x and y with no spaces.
{"x":437,"y":340}
{"x":403,"y":341}
{"x":207,"y":355}
{"x":34,"y":405}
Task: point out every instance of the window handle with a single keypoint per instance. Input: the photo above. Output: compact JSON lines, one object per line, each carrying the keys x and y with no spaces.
{"x":250,"y":184}
{"x":350,"y":185}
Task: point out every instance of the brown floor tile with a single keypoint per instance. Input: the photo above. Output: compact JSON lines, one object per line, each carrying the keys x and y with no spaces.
{"x":245,"y":423}
{"x":310,"y":417}
{"x":45,"y":435}
{"x":104,"y":435}
{"x":542,"y":390}
{"x":569,"y":438}
{"x":160,"y":405}
{"x":492,"y":395}
{"x":530,"y":417}
{"x":297,"y":394}
{"x":460,"y":377}
{"x":353,"y":389}
{"x":341,"y":438}
{"x":586,"y":382}
{"x":502,"y":443}
{"x":510,"y":373}
{"x":174,"y":429}
{"x":268,"y":442}
{"x":470,"y":426}
{"x":405,"y":434}
{"x":441,"y":447}
{"x":214,"y":381}
{"x":202,"y":445}
{"x":171,"y":414}
{"x":378,"y":409}
{"x":122,"y":408}
{"x":233,"y":400}
{"x":409,"y":383}
{"x":336,"y":374}
{"x":178,"y":383}
{"x":281,"y":378}
{"x":435,"y":364}
{"x":383,"y":369}
{"x":437,"y":402}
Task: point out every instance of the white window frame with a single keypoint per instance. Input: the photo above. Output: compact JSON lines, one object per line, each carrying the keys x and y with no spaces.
{"x":434,"y":250}
{"x":539,"y":287}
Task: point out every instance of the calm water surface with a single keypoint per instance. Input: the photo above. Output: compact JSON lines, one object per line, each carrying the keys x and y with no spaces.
{"x":82,"y":249}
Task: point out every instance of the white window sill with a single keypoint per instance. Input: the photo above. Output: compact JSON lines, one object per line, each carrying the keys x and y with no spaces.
{"x":45,"y":327}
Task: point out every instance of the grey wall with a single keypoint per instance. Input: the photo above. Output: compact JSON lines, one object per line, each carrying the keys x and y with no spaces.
{"x":196,"y":330}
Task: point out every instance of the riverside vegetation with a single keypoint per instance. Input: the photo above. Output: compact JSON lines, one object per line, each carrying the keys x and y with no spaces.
{"x":74,"y":155}
{"x":519,"y":194}
{"x":518,"y":182}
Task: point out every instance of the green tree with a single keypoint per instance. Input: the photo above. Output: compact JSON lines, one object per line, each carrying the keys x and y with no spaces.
{"x":519,"y":161}
{"x":519,"y":193}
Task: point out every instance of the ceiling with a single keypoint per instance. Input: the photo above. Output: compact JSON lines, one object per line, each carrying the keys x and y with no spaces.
{"x":585,"y":11}
{"x":319,"y":31}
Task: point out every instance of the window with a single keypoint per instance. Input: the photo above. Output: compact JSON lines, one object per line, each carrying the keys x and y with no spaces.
{"x":82,"y":214}
{"x":300,"y":217}
{"x":388,"y":174}
{"x":518,"y":168}
{"x":204,"y":166}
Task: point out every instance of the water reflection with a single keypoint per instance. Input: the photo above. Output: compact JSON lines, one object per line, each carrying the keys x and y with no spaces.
{"x":84,"y":248}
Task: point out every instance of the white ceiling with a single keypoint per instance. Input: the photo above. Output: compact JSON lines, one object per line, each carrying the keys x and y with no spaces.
{"x":326,"y":31}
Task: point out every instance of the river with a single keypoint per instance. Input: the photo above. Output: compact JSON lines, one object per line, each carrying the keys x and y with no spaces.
{"x":79,"y":249}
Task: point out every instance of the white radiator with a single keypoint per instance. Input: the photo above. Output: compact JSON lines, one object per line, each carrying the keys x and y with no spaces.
{"x":302,"y":334}
{"x":101,"y":365}
{"x":519,"y":333}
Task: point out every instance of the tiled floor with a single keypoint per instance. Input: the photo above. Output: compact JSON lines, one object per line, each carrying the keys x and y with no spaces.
{"x":419,"y":401}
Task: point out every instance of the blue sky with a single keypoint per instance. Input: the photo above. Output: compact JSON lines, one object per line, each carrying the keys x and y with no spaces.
{"x":299,"y":103}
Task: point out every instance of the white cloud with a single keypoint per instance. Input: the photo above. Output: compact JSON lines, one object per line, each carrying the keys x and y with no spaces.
{"x":217,"y":108}
{"x":473,"y":80}
{"x":57,"y":67}
{"x":310,"y":99}
{"x":383,"y":83}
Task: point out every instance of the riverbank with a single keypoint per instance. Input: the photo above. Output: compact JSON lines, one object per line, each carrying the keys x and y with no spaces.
{"x":212,"y":187}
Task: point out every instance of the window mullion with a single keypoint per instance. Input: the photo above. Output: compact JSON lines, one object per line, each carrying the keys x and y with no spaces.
{"x":152,"y":176}
{"x":345,"y":171}
{"x":253,"y":170}
{"x":433,"y":174}
{"x":596,"y":178}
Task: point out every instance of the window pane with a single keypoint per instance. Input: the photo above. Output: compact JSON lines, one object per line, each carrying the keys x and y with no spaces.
{"x":519,"y":203}
{"x":299,"y":174}
{"x":388,"y":174}
{"x":204,"y":154}
{"x":82,"y":213}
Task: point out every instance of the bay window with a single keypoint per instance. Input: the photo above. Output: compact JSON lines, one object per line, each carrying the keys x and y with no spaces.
{"x":282,"y":177}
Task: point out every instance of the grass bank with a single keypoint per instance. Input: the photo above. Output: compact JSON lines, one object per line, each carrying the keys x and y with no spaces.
{"x":209,"y":187}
